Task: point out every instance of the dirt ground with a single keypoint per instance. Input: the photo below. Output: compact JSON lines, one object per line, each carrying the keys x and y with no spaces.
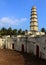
{"x":10,"y":57}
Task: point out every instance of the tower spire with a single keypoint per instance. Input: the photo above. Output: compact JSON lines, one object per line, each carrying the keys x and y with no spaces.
{"x":33,"y":20}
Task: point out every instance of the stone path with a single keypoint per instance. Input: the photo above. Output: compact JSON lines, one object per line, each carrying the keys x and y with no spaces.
{"x":9,"y":57}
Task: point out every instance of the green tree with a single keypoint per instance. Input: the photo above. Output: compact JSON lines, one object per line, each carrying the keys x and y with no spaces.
{"x":19,"y":31}
{"x":3,"y":31}
{"x":15,"y":32}
{"x":43,"y":30}
{"x":23,"y":33}
{"x":9,"y":31}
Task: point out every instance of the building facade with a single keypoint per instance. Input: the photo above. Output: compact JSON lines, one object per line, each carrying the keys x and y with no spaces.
{"x":33,"y":42}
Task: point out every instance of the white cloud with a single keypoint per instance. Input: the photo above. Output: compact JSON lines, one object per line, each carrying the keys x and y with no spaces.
{"x":11,"y":21}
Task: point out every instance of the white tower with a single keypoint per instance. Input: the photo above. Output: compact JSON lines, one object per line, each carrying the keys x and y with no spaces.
{"x":33,"y":20}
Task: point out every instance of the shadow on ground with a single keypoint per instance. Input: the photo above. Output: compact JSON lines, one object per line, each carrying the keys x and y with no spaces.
{"x":30,"y":59}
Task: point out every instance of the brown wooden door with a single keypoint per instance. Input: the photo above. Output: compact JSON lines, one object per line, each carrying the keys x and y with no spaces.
{"x":37,"y":51}
{"x":22,"y":48}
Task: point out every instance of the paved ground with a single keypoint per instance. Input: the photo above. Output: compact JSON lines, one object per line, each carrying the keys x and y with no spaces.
{"x":8,"y":57}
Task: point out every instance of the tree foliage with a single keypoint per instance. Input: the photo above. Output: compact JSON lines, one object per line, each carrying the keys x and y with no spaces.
{"x":3,"y":31}
{"x":43,"y":30}
{"x":16,"y":32}
{"x":9,"y":31}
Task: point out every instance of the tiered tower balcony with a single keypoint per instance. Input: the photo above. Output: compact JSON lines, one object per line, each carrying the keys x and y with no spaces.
{"x":33,"y":20}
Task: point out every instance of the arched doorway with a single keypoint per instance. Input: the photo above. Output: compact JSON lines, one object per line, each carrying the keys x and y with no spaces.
{"x":4,"y":46}
{"x":22,"y":47}
{"x":37,"y":50}
{"x":12,"y":46}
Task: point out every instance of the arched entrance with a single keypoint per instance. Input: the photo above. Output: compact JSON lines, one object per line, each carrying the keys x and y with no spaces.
{"x":12,"y":46}
{"x":37,"y":50}
{"x":4,"y":46}
{"x":22,"y":47}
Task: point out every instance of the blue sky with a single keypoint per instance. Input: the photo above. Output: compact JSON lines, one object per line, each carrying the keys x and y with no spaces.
{"x":16,"y":13}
